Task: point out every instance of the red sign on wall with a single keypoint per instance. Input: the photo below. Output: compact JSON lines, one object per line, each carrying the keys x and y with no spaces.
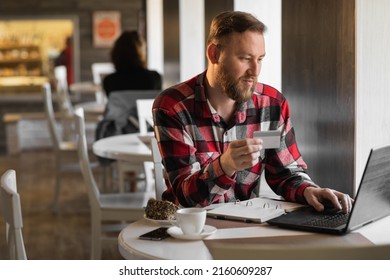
{"x":106,"y":28}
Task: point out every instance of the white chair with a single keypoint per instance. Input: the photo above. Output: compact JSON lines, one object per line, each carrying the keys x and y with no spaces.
{"x":105,"y":207}
{"x":65,"y":151}
{"x":145,"y":119}
{"x":61,"y":77}
{"x":64,"y":102}
{"x":158,"y":170}
{"x":99,"y":71}
{"x":12,"y":213}
{"x":239,"y":251}
{"x":145,"y":115}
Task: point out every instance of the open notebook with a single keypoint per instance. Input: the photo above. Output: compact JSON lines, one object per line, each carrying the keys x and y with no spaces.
{"x":255,"y":210}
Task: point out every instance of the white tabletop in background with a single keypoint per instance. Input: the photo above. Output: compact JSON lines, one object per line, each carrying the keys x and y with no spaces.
{"x":85,"y":87}
{"x":127,"y":147}
{"x":93,"y":107}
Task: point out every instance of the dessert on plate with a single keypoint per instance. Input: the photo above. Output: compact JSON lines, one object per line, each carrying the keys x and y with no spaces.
{"x":160,"y":210}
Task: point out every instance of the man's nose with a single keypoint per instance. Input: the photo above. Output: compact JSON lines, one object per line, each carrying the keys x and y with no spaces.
{"x":254,"y":68}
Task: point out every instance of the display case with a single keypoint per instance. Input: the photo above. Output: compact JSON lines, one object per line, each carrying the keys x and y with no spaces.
{"x":20,"y":68}
{"x":20,"y":60}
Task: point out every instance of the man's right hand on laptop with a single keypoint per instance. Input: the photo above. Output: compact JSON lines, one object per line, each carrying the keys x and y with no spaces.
{"x":319,"y":197}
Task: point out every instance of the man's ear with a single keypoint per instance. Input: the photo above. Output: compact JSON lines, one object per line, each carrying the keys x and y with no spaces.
{"x":213,"y":53}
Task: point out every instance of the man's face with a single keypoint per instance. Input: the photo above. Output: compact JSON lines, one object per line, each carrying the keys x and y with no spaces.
{"x":239,"y":64}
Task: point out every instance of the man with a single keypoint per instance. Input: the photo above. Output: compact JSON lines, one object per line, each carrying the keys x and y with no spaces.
{"x":205,"y":127}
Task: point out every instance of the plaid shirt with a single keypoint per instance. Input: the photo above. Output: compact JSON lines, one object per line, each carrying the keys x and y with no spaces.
{"x":192,"y":137}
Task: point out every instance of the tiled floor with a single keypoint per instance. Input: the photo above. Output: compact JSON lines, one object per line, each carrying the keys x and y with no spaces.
{"x":47,"y":235}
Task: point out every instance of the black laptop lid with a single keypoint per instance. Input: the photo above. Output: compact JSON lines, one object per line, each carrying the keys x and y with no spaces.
{"x":372,"y":201}
{"x":373,"y":198}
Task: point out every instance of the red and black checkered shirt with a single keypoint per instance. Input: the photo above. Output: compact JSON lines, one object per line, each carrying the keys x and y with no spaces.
{"x":192,"y":137}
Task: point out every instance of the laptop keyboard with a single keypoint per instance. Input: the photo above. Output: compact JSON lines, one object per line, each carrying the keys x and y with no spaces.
{"x":330,"y":221}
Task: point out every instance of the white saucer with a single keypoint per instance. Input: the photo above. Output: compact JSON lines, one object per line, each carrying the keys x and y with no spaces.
{"x":162,"y":223}
{"x":177,"y":233}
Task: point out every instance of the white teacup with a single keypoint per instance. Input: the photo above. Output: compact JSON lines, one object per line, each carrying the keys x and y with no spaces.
{"x":190,"y":220}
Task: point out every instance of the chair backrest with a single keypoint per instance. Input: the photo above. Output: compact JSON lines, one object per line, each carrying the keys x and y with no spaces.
{"x":12,"y":213}
{"x":122,"y":105}
{"x":145,"y":115}
{"x":48,"y":103}
{"x":238,"y":251}
{"x":66,"y":116}
{"x":101,"y":69}
{"x":63,"y":98}
{"x":60,"y":77}
{"x":64,"y":102}
{"x":158,"y":169}
{"x":85,"y":165}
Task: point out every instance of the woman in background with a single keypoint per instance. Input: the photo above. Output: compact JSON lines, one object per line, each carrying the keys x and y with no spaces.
{"x":129,"y":58}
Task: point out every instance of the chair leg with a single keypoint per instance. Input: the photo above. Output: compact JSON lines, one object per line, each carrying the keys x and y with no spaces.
{"x":19,"y":246}
{"x":132,"y":179}
{"x":133,"y":175}
{"x":107,"y":178}
{"x":96,"y":241}
{"x":57,"y":188}
{"x":104,"y":177}
{"x":11,"y":244}
{"x":121,"y":180}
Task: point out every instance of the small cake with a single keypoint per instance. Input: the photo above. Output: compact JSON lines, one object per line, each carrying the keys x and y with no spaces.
{"x":160,"y":209}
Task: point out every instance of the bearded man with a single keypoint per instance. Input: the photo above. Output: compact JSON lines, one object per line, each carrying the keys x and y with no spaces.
{"x":205,"y":127}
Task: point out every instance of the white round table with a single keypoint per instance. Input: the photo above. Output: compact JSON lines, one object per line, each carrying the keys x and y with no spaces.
{"x":89,"y":88}
{"x":126,"y":147}
{"x":92,"y":108}
{"x":131,"y":247}
{"x":85,"y":87}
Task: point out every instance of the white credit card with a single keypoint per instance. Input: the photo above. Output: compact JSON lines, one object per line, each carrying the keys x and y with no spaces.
{"x":271,"y":138}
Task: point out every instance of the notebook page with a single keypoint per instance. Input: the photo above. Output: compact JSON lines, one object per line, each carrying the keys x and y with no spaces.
{"x":244,"y":212}
{"x":274,"y":203}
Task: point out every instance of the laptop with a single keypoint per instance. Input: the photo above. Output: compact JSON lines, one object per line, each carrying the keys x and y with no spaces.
{"x":372,"y":202}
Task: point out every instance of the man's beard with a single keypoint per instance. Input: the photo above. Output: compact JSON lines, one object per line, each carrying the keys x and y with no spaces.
{"x":232,"y":88}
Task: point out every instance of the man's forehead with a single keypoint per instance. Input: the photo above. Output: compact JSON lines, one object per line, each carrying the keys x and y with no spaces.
{"x":245,"y":42}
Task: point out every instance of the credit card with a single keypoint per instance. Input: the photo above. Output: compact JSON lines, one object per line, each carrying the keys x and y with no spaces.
{"x":271,"y":138}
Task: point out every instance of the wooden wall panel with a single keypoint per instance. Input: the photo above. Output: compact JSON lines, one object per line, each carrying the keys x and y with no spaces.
{"x":318,"y":70}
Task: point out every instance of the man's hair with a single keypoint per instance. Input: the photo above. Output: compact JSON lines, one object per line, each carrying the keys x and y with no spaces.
{"x":233,"y":21}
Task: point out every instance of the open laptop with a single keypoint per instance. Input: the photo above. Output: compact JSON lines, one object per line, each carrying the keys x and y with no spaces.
{"x":372,"y":202}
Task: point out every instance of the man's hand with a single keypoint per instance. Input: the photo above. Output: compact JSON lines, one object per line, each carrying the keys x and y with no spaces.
{"x":318,"y":197}
{"x":240,"y":155}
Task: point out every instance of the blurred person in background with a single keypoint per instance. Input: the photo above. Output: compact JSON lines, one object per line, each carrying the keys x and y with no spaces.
{"x":66,"y":58}
{"x":129,"y":58}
